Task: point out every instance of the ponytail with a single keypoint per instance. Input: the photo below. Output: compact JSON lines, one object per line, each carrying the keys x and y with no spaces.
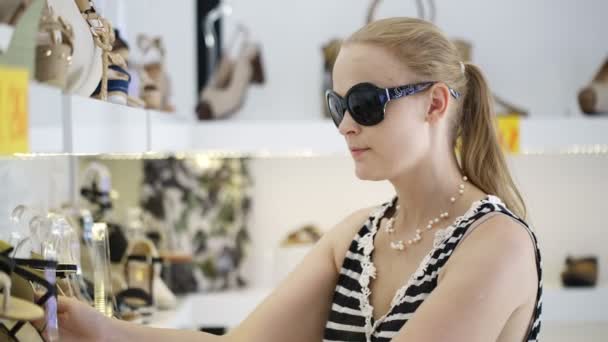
{"x":481,"y":156}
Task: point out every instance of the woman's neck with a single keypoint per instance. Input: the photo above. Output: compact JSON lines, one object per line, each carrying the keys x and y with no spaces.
{"x":426,"y":191}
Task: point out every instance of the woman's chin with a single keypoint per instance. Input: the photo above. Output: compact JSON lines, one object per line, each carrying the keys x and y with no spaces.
{"x":365,"y":173}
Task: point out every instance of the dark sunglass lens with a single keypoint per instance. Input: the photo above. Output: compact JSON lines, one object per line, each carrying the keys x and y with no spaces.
{"x":336,"y":109}
{"x":365,"y":106}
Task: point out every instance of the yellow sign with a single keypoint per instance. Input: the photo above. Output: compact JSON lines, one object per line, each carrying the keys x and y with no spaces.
{"x":14,"y":124}
{"x":508,"y":129}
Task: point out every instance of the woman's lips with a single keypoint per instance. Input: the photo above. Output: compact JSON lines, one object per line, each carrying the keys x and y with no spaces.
{"x":356,"y":152}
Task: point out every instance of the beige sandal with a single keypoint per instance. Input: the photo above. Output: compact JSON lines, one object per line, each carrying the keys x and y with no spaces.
{"x":102,"y":36}
{"x":54,"y":50}
{"x":14,"y":308}
{"x":155,"y":83}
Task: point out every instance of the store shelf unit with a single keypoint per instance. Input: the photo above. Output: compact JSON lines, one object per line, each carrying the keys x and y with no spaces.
{"x":72,"y":124}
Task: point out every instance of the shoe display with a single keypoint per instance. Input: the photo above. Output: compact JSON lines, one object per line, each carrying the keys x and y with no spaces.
{"x":580,"y":272}
{"x":306,"y":235}
{"x":227,"y":87}
{"x":593,"y":99}
{"x":148,"y":217}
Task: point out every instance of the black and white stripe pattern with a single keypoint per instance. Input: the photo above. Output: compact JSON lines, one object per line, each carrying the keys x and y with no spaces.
{"x":351,"y":316}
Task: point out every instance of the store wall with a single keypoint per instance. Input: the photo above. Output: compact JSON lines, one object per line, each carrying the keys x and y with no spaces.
{"x":564,"y":194}
{"x":535,"y":53}
{"x":41,"y":183}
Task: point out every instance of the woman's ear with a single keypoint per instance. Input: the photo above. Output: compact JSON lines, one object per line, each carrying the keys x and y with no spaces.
{"x":438,"y":106}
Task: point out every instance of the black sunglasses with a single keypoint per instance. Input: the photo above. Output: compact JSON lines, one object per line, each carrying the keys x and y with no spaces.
{"x":366,"y":102}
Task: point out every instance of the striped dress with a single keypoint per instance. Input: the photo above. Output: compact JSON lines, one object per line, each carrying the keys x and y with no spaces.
{"x":351,"y":316}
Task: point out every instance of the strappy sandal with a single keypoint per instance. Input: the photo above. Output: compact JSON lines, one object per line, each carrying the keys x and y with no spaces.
{"x":22,"y":278}
{"x":150,"y":91}
{"x":155,"y":82}
{"x":139,"y":275}
{"x":102,"y":36}
{"x":118,"y":81}
{"x":142,"y":273}
{"x":13,"y":308}
{"x":54,"y":50}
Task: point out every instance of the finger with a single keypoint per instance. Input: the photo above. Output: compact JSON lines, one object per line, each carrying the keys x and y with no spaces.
{"x":64,"y":304}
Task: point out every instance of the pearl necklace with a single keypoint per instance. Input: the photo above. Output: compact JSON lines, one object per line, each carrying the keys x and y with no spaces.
{"x":400,"y":245}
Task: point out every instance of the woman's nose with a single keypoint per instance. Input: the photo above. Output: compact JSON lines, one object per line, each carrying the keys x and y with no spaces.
{"x":348,"y":125}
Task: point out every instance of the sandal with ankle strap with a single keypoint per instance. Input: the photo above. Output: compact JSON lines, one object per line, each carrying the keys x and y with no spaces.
{"x":22,"y":278}
{"x":13,"y":308}
{"x":54,"y":50}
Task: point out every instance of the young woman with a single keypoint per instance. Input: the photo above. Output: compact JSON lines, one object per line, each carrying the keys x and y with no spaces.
{"x":449,"y":258}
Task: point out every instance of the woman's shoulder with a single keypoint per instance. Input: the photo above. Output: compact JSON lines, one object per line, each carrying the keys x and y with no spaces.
{"x":343,"y":233}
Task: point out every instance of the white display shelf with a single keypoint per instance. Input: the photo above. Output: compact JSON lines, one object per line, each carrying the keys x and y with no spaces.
{"x":101,"y":127}
{"x":46,"y":133}
{"x":74,"y":124}
{"x":169,"y":133}
{"x":564,"y":134}
{"x":561,"y":307}
{"x":576,"y":305}
{"x":312,"y":137}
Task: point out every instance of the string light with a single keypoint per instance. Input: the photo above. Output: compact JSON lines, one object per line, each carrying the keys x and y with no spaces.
{"x":595,"y":149}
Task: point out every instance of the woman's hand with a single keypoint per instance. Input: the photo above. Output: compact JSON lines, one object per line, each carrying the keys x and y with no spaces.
{"x":80,"y":322}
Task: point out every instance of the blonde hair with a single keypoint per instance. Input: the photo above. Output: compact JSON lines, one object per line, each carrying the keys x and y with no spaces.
{"x":427,"y":52}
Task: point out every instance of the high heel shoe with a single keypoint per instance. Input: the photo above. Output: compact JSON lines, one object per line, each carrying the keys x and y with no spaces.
{"x":21,"y":50}
{"x":220,"y":101}
{"x":593,"y":99}
{"x":54,"y":50}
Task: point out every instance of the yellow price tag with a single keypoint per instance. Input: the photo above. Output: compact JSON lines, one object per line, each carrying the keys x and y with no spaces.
{"x":14,"y":126}
{"x":508,"y":129}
